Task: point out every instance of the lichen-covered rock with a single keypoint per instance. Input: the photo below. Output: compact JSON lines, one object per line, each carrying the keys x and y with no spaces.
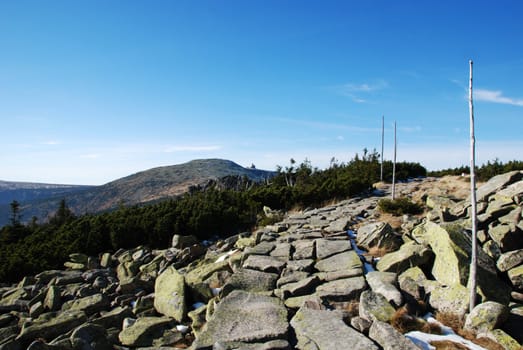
{"x":169,"y":294}
{"x":502,"y":338}
{"x":50,"y":327}
{"x":264,"y":263}
{"x":278,"y":344}
{"x":378,"y":234}
{"x":91,"y":304}
{"x":491,"y":248}
{"x":144,"y":331}
{"x":343,"y":289}
{"x":443,"y":208}
{"x":374,"y":306}
{"x":181,"y":242}
{"x":90,"y":336}
{"x":343,"y":261}
{"x":327,"y":247}
{"x":244,"y":317}
{"x":507,"y":236}
{"x":114,"y":317}
{"x":304,"y":249}
{"x":282,"y":251}
{"x":412,"y":283}
{"x":389,"y":338}
{"x":323,"y":329}
{"x":451,"y":245}
{"x":452,"y":299}
{"x":516,"y":276}
{"x":486,"y":317}
{"x":339,"y":225}
{"x":250,"y":281}
{"x":508,"y":260}
{"x":496,"y":183}
{"x":299,"y":288}
{"x":204,"y":270}
{"x":384,"y":283}
{"x":410,"y":254}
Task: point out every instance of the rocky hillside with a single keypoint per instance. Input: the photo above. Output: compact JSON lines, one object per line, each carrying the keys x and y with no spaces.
{"x":28,"y":192}
{"x":143,"y":187}
{"x":336,"y":277}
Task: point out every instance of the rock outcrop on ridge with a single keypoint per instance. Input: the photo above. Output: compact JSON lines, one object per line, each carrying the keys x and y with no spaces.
{"x":301,"y":283}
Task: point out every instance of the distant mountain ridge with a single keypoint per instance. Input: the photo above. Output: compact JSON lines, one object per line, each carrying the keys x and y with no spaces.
{"x":139,"y":188}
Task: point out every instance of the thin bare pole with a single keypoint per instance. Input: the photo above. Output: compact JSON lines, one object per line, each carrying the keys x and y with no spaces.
{"x":473,"y":258}
{"x":382,"y":140}
{"x":394,"y":166}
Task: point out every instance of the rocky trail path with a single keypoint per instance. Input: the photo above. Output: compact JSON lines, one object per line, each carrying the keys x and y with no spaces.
{"x":299,"y":283}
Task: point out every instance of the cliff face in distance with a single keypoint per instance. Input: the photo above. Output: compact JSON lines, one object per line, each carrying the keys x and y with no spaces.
{"x":41,"y":200}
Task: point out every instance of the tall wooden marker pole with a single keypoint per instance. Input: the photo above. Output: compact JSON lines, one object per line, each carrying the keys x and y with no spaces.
{"x":394,"y":166}
{"x":382,"y":140}
{"x":473,"y":259}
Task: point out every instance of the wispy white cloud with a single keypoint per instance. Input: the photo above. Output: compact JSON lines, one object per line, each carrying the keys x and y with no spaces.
{"x":172,"y":149}
{"x":496,"y":96}
{"x":365,"y":87}
{"x":354,"y":91}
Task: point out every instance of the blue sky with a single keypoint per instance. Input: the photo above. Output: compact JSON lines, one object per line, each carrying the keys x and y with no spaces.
{"x":91,"y":91}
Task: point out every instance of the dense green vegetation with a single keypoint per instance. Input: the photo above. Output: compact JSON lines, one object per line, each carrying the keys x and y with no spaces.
{"x":205,"y":213}
{"x":483,"y":172}
{"x":399,"y":206}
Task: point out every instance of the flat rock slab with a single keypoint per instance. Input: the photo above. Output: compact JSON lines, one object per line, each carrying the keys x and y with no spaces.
{"x":343,"y":289}
{"x":323,"y":329}
{"x":250,"y":281}
{"x":282,"y":251}
{"x":264,"y":263}
{"x":304,"y":250}
{"x":91,"y":304}
{"x":244,"y":317}
{"x":496,"y":183}
{"x":144,"y":331}
{"x":343,"y":261}
{"x":301,"y":265}
{"x":410,"y":254}
{"x":326,"y":247}
{"x":378,"y":234}
{"x":263,"y":248}
{"x":303,"y":287}
{"x":338,"y":225}
{"x":62,"y":323}
{"x":508,"y":260}
{"x":389,"y":338}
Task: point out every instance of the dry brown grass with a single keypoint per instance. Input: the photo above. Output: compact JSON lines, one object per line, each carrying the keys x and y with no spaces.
{"x":353,"y":308}
{"x":456,"y":322}
{"x":487,"y":343}
{"x":404,"y":322}
{"x":393,"y":220}
{"x":377,"y":252}
{"x":447,"y":345}
{"x":431,"y":328}
{"x":451,"y":320}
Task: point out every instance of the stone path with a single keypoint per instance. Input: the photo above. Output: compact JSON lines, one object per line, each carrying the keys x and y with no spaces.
{"x":299,"y":283}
